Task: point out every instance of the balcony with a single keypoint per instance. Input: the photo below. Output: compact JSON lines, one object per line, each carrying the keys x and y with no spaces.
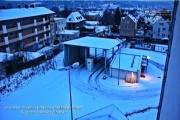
{"x":29,"y":44}
{"x":39,"y":32}
{"x":40,"y":23}
{"x":1,"y":31}
{"x":28,"y":35}
{"x":27,"y":26}
{"x":2,"y":43}
{"x":41,"y":39}
{"x":12,"y":29}
{"x":13,"y":40}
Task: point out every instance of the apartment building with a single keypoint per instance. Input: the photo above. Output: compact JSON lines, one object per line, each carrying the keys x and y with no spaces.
{"x":128,"y":26}
{"x":160,"y":28}
{"x":25,"y":28}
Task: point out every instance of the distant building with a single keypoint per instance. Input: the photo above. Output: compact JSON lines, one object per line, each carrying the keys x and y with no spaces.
{"x":66,"y":35}
{"x":25,"y":28}
{"x":160,"y":28}
{"x":128,"y":26}
{"x":60,"y":24}
{"x":75,"y":21}
{"x":91,"y":16}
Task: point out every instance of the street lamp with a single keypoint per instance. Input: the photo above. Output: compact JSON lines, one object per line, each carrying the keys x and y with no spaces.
{"x":74,"y":65}
{"x":147,"y":62}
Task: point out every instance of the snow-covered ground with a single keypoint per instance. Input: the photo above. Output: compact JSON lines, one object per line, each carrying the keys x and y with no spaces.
{"x":46,"y":96}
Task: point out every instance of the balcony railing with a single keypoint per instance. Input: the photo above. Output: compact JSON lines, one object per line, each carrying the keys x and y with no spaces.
{"x":39,"y":32}
{"x":1,"y":31}
{"x":28,"y":35}
{"x":41,"y":39}
{"x":13,"y":40}
{"x":29,"y":44}
{"x":12,"y":29}
{"x":2,"y":43}
{"x":40,"y":23}
{"x":27,"y":25}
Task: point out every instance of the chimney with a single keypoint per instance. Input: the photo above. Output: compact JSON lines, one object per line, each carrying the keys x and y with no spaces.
{"x":19,"y":6}
{"x":26,"y":6}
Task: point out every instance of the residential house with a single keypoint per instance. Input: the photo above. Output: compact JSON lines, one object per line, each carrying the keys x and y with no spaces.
{"x":75,"y":21}
{"x":67,"y":35}
{"x":160,"y":28}
{"x":25,"y":28}
{"x":128,"y":26}
{"x":60,"y":24}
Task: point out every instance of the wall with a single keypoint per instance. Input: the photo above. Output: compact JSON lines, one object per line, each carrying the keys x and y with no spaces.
{"x":170,"y":109}
{"x":76,"y":54}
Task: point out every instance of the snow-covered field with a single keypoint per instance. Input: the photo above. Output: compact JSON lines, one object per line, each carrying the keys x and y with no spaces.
{"x":46,"y":96}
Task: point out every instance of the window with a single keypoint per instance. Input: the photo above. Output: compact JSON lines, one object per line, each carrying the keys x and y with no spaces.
{"x":164,"y":29}
{"x":158,"y":34}
{"x":161,"y":24}
{"x":127,"y":21}
{"x":158,"y":30}
{"x":62,"y":22}
{"x":163,"y":35}
{"x":127,"y":27}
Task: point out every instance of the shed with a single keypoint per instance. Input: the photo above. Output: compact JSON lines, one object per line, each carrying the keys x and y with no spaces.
{"x":78,"y":49}
{"x":126,"y":66}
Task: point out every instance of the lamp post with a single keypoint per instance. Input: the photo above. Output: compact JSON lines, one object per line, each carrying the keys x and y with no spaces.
{"x":75,"y":65}
{"x":147,"y":62}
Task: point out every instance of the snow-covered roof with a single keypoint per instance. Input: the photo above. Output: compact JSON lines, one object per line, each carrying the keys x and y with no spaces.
{"x":68,"y":32}
{"x":56,"y":19}
{"x":90,"y":27}
{"x":75,"y":17}
{"x":133,"y":18}
{"x":110,"y":112}
{"x":94,"y":42}
{"x":16,"y":13}
{"x":92,"y":22}
{"x":156,"y":19}
{"x":92,"y":13}
{"x":132,"y":62}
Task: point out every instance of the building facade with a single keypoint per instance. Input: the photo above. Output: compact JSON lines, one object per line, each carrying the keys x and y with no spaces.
{"x":60,"y":24}
{"x":128,"y":26}
{"x":66,"y":35}
{"x":25,"y":29}
{"x":160,"y":29}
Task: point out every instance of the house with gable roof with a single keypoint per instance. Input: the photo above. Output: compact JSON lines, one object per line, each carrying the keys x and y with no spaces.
{"x":75,"y":21}
{"x":128,"y":26}
{"x":160,"y":28}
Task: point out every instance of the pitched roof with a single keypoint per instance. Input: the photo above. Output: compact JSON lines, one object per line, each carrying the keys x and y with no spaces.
{"x":133,"y":18}
{"x":75,"y":17}
{"x":16,"y":13}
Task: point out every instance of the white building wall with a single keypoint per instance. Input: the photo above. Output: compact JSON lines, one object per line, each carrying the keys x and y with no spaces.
{"x":60,"y":24}
{"x":170,"y":109}
{"x":159,"y":35}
